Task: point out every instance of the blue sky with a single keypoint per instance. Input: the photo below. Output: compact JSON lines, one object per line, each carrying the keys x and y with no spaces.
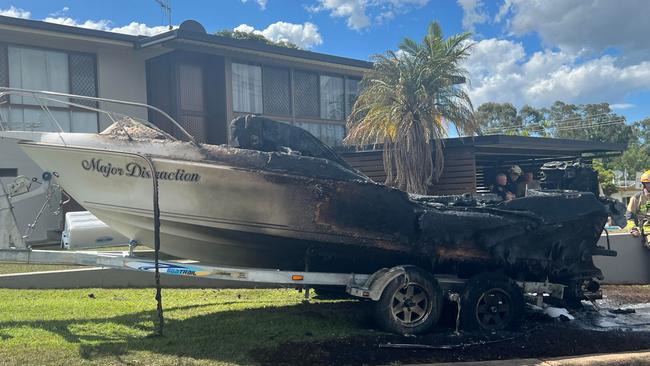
{"x":525,"y":52}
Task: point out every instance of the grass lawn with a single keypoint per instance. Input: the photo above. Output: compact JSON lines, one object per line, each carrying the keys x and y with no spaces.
{"x":203,"y":327}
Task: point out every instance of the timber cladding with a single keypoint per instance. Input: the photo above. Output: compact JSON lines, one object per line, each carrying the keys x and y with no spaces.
{"x":458,"y":175}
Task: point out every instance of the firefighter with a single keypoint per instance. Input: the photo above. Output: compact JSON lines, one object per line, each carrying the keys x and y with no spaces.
{"x":500,"y":188}
{"x":514,"y":175}
{"x":638,"y":211}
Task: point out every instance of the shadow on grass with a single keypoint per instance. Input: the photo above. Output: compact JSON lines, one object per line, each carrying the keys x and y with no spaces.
{"x":227,"y":336}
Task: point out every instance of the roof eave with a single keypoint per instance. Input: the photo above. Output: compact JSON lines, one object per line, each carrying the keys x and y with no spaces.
{"x":70,"y":31}
{"x":251,"y":46}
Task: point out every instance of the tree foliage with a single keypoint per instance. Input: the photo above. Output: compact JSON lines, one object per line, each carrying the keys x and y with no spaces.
{"x":637,"y":156}
{"x":405,"y":103}
{"x":503,"y":118}
{"x":594,"y":122}
{"x":254,"y":37}
{"x":605,"y":178}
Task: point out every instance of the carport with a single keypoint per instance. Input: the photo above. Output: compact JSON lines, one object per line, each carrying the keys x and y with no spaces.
{"x":472,"y":162}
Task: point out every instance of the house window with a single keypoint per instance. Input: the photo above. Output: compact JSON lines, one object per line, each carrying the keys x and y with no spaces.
{"x":277,"y":94}
{"x":351,"y":94}
{"x":331,"y":97}
{"x":47,"y":70}
{"x":329,"y":133}
{"x":247,"y":88}
{"x":306,"y":94}
{"x":36,"y":69}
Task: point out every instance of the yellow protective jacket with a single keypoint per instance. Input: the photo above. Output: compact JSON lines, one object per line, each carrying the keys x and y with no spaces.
{"x":638,"y":211}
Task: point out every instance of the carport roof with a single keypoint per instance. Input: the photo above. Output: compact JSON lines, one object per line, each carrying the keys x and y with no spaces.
{"x":535,"y":146}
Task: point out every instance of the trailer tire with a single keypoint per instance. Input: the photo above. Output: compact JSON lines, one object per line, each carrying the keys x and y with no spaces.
{"x":410,"y":304}
{"x":491,"y":301}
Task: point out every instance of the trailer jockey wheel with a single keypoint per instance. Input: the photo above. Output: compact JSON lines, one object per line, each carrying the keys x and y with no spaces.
{"x":410,"y":303}
{"x":491,"y":301}
{"x":573,"y":295}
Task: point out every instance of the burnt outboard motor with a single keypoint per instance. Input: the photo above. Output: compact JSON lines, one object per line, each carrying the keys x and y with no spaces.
{"x":574,"y":176}
{"x":562,"y":176}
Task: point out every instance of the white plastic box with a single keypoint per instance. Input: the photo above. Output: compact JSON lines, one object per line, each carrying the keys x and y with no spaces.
{"x":83,"y":230}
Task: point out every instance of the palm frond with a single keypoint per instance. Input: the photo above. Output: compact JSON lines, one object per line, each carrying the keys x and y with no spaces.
{"x":406,"y":103}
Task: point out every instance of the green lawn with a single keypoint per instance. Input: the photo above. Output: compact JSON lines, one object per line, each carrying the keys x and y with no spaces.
{"x":203,"y":327}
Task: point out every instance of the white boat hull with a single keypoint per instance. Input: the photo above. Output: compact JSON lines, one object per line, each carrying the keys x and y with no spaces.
{"x":209,"y":212}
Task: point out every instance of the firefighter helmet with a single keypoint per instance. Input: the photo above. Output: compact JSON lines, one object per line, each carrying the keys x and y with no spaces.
{"x":645,"y":177}
{"x":515,"y":169}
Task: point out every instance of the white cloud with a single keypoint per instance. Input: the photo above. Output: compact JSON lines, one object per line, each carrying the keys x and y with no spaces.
{"x":353,"y":10}
{"x":304,"y":35}
{"x":245,"y":28}
{"x":593,"y":25}
{"x":622,"y":106}
{"x":90,"y":24}
{"x":358,"y":13}
{"x":60,"y":12}
{"x":261,"y":3}
{"x":500,"y":71}
{"x":504,"y":9}
{"x":15,"y":12}
{"x":141,"y":29}
{"x":134,"y":28}
{"x":473,"y":13}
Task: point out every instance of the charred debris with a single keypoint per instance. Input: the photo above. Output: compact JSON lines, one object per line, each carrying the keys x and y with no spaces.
{"x":551,"y":234}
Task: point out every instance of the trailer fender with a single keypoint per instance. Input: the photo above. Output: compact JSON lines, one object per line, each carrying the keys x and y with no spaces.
{"x":377,"y":282}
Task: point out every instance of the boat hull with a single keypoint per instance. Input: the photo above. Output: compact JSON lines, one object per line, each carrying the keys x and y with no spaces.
{"x":222,"y":214}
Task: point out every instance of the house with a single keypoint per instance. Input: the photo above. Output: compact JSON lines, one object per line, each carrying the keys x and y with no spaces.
{"x":201,"y":80}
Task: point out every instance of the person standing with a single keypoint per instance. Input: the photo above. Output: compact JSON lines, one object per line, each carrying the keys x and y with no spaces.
{"x":500,"y":188}
{"x":514,"y":173}
{"x":526,"y":182}
{"x":638,"y":211}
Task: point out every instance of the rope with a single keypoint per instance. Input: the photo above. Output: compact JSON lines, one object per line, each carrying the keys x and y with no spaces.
{"x":156,"y":228}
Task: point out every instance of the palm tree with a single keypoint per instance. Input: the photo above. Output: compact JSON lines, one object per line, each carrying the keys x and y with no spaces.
{"x":407,"y":102}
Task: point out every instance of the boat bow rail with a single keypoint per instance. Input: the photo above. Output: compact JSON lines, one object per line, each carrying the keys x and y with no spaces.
{"x":45,"y":99}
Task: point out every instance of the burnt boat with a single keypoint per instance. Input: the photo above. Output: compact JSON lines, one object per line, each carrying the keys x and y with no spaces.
{"x":279,"y":198}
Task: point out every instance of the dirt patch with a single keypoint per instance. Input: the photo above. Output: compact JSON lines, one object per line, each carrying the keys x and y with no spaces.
{"x":539,"y":337}
{"x":628,"y":294}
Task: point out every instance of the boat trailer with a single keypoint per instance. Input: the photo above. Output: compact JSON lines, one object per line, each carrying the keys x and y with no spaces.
{"x":405,"y":293}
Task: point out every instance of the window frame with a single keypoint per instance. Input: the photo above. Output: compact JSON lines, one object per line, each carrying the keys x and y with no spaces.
{"x":232,"y":81}
{"x":69,"y":108}
{"x":346,"y":94}
{"x":293,"y":81}
{"x":320,"y":100}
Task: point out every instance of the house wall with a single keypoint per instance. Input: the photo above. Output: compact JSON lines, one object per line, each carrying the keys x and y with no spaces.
{"x":120,"y":75}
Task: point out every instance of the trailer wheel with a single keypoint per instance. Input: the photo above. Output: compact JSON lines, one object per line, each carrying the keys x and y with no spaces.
{"x":491,"y":301}
{"x":410,"y":303}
